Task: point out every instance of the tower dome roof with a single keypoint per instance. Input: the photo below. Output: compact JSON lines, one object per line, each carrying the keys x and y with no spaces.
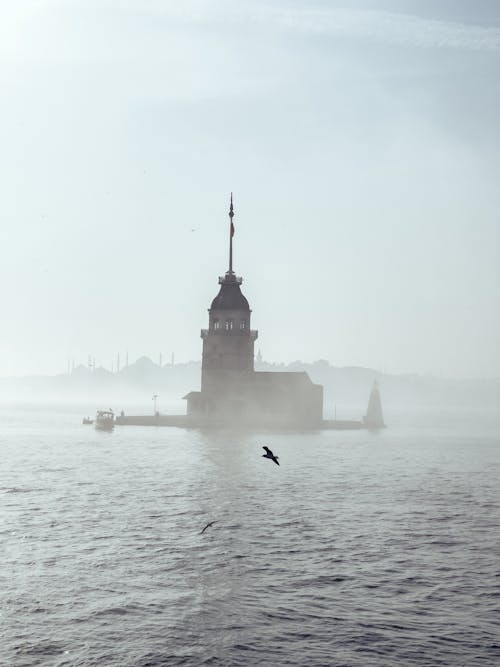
{"x":230,"y":296}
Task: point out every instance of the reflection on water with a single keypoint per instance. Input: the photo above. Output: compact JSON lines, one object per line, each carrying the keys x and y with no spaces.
{"x":360,"y":549}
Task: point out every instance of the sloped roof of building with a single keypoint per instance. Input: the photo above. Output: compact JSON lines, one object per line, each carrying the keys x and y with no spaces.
{"x":191,"y":395}
{"x":282,"y":378}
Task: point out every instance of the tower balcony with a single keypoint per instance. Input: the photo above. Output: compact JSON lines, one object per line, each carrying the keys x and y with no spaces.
{"x":253,"y":333}
{"x":230,"y":278}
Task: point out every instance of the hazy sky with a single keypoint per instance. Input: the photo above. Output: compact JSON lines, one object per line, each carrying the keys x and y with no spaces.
{"x":361,"y":140}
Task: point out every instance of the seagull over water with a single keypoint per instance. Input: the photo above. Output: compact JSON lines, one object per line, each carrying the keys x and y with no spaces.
{"x":270,"y":455}
{"x":211,"y":523}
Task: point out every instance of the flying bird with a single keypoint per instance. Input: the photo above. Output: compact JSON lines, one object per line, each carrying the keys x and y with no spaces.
{"x":211,"y":523}
{"x":270,"y":455}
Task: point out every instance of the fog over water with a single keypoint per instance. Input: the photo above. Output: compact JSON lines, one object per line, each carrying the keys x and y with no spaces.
{"x":360,"y":549}
{"x":361,"y":141}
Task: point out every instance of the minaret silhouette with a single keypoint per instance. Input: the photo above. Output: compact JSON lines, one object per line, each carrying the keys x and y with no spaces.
{"x":228,"y":343}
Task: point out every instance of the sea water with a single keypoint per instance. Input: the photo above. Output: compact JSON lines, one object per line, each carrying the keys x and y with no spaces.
{"x":359,"y":549}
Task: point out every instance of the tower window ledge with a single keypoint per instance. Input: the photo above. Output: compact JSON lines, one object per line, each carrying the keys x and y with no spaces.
{"x":205,"y":333}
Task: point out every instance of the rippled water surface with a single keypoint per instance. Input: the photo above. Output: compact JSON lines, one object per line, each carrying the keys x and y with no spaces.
{"x":360,"y":549}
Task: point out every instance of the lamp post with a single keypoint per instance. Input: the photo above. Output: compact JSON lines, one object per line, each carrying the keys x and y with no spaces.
{"x":154,"y":399}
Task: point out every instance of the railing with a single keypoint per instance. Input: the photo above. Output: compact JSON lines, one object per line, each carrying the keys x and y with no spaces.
{"x":230,"y":278}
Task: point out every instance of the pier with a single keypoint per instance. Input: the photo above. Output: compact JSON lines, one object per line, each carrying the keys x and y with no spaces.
{"x":186,"y":421}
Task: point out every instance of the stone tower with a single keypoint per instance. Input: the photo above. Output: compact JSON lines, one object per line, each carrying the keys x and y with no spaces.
{"x":232,"y":392}
{"x":228,"y":343}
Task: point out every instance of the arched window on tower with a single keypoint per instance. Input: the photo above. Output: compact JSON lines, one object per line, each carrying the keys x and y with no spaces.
{"x":216,"y":324}
{"x":229,"y":325}
{"x":243,"y":324}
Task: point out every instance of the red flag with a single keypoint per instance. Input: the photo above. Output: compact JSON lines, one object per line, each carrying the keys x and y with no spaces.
{"x":232,"y":229}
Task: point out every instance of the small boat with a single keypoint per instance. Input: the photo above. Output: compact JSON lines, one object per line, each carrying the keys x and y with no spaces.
{"x":87,"y":420}
{"x":104,"y":420}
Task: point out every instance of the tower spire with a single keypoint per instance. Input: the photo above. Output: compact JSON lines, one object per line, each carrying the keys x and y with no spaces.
{"x":231,"y":234}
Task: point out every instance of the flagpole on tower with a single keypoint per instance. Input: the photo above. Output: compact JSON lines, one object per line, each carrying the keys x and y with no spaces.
{"x":231,"y":234}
